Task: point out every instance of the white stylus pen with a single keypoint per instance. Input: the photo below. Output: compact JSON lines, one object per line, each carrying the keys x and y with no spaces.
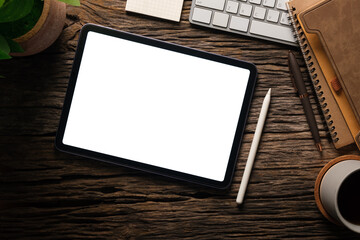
{"x":253,"y":148}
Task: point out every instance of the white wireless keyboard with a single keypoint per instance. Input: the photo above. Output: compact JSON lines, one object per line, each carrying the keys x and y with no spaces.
{"x":265,"y":19}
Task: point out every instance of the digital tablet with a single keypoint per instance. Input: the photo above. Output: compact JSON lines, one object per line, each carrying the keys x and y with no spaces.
{"x":156,"y":106}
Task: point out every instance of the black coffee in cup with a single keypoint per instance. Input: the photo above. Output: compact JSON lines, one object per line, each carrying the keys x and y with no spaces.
{"x":349,"y":198}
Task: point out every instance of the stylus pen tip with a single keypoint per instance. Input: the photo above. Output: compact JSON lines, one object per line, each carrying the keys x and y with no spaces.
{"x":240,"y":199}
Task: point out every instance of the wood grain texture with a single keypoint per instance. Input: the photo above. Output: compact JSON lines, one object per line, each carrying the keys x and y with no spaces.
{"x":46,"y":194}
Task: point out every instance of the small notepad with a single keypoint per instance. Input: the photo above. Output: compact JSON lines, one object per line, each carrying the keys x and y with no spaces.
{"x":166,"y":9}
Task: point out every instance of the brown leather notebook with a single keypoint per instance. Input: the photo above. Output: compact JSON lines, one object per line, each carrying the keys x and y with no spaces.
{"x":337,"y":23}
{"x":310,"y":46}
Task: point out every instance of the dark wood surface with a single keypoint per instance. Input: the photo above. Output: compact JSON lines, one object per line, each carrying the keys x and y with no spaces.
{"x":53,"y":195}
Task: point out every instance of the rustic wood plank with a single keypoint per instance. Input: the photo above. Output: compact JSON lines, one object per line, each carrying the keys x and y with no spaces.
{"x":53,"y":195}
{"x":56,"y":187}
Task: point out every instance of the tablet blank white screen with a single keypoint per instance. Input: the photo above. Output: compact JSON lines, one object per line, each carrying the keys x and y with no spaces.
{"x":155,"y":106}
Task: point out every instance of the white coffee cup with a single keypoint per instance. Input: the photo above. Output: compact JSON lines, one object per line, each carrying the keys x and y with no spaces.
{"x":337,"y":191}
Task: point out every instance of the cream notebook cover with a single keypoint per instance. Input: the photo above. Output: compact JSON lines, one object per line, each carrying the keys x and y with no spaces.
{"x":340,"y":133}
{"x":166,"y":9}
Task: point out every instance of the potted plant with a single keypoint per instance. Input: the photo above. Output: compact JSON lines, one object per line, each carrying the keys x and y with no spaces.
{"x":30,"y":26}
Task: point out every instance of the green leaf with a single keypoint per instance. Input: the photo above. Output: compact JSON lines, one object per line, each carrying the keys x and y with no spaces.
{"x":1,"y":2}
{"x":71,"y":2}
{"x":19,"y":27}
{"x":13,"y":10}
{"x":14,"y":46}
{"x":4,"y":46}
{"x":4,"y":55}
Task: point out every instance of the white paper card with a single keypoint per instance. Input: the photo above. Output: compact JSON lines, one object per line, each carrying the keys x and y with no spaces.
{"x":166,"y":9}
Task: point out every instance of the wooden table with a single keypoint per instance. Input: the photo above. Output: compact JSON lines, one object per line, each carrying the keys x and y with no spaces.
{"x":49,"y":194}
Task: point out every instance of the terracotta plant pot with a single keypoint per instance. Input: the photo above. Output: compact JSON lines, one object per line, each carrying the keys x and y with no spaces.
{"x":46,"y":30}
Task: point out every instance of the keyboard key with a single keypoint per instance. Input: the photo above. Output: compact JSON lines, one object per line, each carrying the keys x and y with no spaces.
{"x":281,"y":4}
{"x":232,"y":7}
{"x":220,"y":19}
{"x":273,"y":16}
{"x":202,"y":15}
{"x":239,"y":24}
{"x":259,"y":12}
{"x":272,"y":31}
{"x":269,"y":3}
{"x":284,"y":19}
{"x":245,"y":9}
{"x":215,"y":4}
{"x":255,"y":1}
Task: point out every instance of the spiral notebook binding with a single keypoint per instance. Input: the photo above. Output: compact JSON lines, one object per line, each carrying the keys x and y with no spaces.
{"x":301,"y":39}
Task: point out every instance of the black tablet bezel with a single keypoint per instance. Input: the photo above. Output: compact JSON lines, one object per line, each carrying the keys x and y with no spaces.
{"x":141,"y":166}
